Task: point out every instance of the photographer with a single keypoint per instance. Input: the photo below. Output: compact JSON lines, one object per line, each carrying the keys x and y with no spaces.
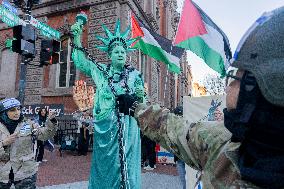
{"x":17,"y":160}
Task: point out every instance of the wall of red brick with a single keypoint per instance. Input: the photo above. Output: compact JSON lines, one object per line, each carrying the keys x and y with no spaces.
{"x":67,"y":101}
{"x":56,"y":21}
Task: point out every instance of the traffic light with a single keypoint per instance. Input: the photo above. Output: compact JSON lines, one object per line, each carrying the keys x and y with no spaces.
{"x":49,"y":53}
{"x":24,"y":40}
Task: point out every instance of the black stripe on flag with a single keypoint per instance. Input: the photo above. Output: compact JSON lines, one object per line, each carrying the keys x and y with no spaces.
{"x":208,"y":21}
{"x":165,"y":43}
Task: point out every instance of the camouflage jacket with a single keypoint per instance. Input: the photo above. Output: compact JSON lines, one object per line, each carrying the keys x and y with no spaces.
{"x":203,"y":146}
{"x":19,"y":155}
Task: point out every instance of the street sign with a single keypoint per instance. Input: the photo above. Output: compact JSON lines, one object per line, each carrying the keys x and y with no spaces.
{"x":45,"y":29}
{"x":10,"y":18}
{"x":10,"y":7}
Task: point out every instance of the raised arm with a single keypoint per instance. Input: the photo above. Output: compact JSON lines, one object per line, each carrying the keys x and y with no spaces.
{"x":79,"y":57}
{"x":195,"y":144}
{"x":47,"y":132}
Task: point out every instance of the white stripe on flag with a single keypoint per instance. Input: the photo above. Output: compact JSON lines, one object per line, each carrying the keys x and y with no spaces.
{"x":173,"y":59}
{"x":148,"y":38}
{"x":214,"y":40}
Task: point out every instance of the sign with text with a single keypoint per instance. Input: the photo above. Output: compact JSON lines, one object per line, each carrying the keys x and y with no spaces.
{"x":10,"y":18}
{"x":32,"y":110}
{"x":10,"y":7}
{"x":45,"y":29}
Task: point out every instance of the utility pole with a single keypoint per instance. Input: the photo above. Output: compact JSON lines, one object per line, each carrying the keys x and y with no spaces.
{"x":22,"y":83}
{"x":26,"y":6}
{"x":24,"y":61}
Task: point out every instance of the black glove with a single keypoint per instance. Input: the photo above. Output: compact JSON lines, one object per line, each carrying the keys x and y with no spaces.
{"x":54,"y":120}
{"x":125,"y":103}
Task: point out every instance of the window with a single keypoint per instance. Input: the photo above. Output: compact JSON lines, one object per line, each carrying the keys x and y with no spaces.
{"x":144,"y":67}
{"x":66,"y":71}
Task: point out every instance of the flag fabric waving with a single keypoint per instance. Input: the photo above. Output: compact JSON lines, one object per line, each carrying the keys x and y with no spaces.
{"x":156,"y":46}
{"x":199,"y":34}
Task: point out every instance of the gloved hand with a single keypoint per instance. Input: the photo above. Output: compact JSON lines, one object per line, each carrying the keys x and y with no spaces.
{"x":125,"y":102}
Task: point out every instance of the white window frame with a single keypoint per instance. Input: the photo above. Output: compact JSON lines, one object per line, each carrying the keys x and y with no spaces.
{"x":68,"y":74}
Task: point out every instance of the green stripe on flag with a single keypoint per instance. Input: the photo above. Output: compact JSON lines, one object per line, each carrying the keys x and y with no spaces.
{"x":212,"y":58}
{"x":158,"y":54}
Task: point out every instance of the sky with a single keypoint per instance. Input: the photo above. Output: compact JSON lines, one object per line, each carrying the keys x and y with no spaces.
{"x":234,"y":18}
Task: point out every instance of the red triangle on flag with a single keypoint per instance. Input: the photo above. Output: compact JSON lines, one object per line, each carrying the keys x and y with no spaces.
{"x":136,"y":29}
{"x":190,"y":24}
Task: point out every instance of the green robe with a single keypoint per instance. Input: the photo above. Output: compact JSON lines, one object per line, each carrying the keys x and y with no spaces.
{"x":105,"y":167}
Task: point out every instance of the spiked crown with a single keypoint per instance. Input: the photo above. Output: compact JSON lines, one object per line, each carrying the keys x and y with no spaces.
{"x":116,"y":39}
{"x":82,"y":16}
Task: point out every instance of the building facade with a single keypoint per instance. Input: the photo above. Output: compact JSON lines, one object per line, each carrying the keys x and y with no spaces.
{"x":53,"y":84}
{"x":198,"y":90}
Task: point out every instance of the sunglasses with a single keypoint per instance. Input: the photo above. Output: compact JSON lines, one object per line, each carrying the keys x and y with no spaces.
{"x":231,"y":76}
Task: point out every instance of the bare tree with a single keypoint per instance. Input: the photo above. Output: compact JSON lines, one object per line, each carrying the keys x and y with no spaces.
{"x":214,"y":85}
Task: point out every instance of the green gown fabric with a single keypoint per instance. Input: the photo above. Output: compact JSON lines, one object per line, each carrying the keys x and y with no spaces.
{"x":105,"y":167}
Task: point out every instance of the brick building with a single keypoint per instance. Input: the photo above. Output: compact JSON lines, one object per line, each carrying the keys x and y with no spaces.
{"x":53,"y":84}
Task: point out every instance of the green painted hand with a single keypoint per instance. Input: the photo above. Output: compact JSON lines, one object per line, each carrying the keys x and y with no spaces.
{"x":77,"y":28}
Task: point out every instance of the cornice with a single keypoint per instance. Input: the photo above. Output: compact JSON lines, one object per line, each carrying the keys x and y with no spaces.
{"x":58,"y":6}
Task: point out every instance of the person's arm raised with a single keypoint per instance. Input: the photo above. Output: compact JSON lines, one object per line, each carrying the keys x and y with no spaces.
{"x":47,"y":132}
{"x":78,"y":56}
{"x":195,"y":144}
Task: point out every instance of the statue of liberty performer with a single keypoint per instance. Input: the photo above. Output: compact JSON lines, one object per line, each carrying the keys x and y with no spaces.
{"x":116,"y":158}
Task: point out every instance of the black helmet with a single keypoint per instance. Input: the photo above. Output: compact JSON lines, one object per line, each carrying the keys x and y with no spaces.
{"x":261,"y":52}
{"x":8,"y":103}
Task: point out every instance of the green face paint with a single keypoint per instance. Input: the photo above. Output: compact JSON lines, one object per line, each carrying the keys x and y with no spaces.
{"x":118,"y":56}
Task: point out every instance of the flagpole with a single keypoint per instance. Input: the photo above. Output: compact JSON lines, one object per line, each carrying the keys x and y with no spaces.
{"x":129,"y":18}
{"x":130,"y":24}
{"x":139,"y":61}
{"x":165,"y":88}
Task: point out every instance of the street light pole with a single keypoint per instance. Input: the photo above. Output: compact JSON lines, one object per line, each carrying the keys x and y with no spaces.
{"x":25,"y":35}
{"x":22,"y":83}
{"x":24,"y":60}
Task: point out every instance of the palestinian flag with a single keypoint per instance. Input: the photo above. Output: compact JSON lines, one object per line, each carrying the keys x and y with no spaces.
{"x":199,"y":34}
{"x":156,"y":46}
